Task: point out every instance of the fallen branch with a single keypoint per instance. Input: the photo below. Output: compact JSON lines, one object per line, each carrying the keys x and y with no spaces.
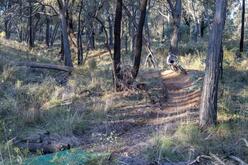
{"x":217,"y":159}
{"x":241,"y":162}
{"x":197,"y":160}
{"x":45,"y":66}
{"x":244,"y":140}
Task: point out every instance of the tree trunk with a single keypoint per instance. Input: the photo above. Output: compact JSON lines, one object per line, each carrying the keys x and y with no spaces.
{"x":202,"y":30}
{"x":195,"y":32}
{"x":21,"y":34}
{"x":21,"y":26}
{"x":70,"y":26}
{"x":176,"y":19}
{"x":163,"y":32}
{"x":48,"y":33}
{"x":7,"y":23}
{"x":7,"y":28}
{"x":110,"y":31}
{"x":126,"y":42}
{"x":221,"y":60}
{"x":30,"y":25}
{"x":54,"y":34}
{"x":79,"y":38}
{"x":208,"y":107}
{"x":131,"y":34}
{"x":139,"y":39}
{"x":62,"y":54}
{"x":241,"y":45}
{"x":117,"y":41}
{"x":92,"y":38}
{"x":66,"y":44}
{"x":36,"y":27}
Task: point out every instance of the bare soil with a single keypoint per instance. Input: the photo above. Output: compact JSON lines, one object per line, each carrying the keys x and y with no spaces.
{"x":130,"y":129}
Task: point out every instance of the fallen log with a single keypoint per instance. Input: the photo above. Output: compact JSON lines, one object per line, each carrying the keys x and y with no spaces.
{"x":45,"y":142}
{"x":45,"y":148}
{"x":44,"y":66}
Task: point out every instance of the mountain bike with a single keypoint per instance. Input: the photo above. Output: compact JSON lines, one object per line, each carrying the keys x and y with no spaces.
{"x":173,"y":62}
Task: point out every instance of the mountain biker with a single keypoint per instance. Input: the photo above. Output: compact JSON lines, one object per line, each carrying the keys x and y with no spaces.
{"x":172,"y":60}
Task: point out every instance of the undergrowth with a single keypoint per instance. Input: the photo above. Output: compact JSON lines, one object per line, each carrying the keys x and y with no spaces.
{"x":33,"y":99}
{"x":228,"y":138}
{"x":36,"y":99}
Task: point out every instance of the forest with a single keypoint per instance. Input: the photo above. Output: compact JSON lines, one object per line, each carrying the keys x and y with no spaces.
{"x":123,"y":82}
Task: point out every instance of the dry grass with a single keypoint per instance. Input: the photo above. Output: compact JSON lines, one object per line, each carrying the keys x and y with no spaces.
{"x":31,"y":98}
{"x":222,"y":142}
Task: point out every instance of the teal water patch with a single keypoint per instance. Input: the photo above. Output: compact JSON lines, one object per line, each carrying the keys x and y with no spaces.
{"x":68,"y":157}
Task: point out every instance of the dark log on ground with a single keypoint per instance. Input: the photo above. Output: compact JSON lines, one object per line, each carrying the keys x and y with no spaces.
{"x":46,"y":148}
{"x":46,"y":142}
{"x":44,"y":66}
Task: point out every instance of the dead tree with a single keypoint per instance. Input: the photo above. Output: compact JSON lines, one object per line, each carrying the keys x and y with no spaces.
{"x":208,"y":107}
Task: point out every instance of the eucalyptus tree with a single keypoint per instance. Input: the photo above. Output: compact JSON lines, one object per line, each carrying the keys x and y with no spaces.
{"x":63,"y":6}
{"x":195,"y":10}
{"x":175,"y":10}
{"x":139,"y":38}
{"x":241,"y":44}
{"x":30,"y":24}
{"x":208,"y":107}
{"x":117,"y":43}
{"x":79,"y":36}
{"x":7,"y":20}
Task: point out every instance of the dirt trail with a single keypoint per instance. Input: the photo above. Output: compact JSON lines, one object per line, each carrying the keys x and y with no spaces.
{"x":183,"y":99}
{"x":181,"y":106}
{"x":137,"y":125}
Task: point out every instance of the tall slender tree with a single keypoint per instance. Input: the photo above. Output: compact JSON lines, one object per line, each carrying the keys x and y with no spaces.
{"x":117,"y":40}
{"x":30,"y":25}
{"x":208,"y":107}
{"x":139,"y":38}
{"x":176,"y":11}
{"x":79,"y":37}
{"x":241,"y":45}
{"x":63,"y":4}
{"x":7,"y":22}
{"x":48,"y":33}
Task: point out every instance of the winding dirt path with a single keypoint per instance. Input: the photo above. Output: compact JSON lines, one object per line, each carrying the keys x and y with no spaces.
{"x":181,"y":105}
{"x":183,"y":94}
{"x":137,"y":125}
